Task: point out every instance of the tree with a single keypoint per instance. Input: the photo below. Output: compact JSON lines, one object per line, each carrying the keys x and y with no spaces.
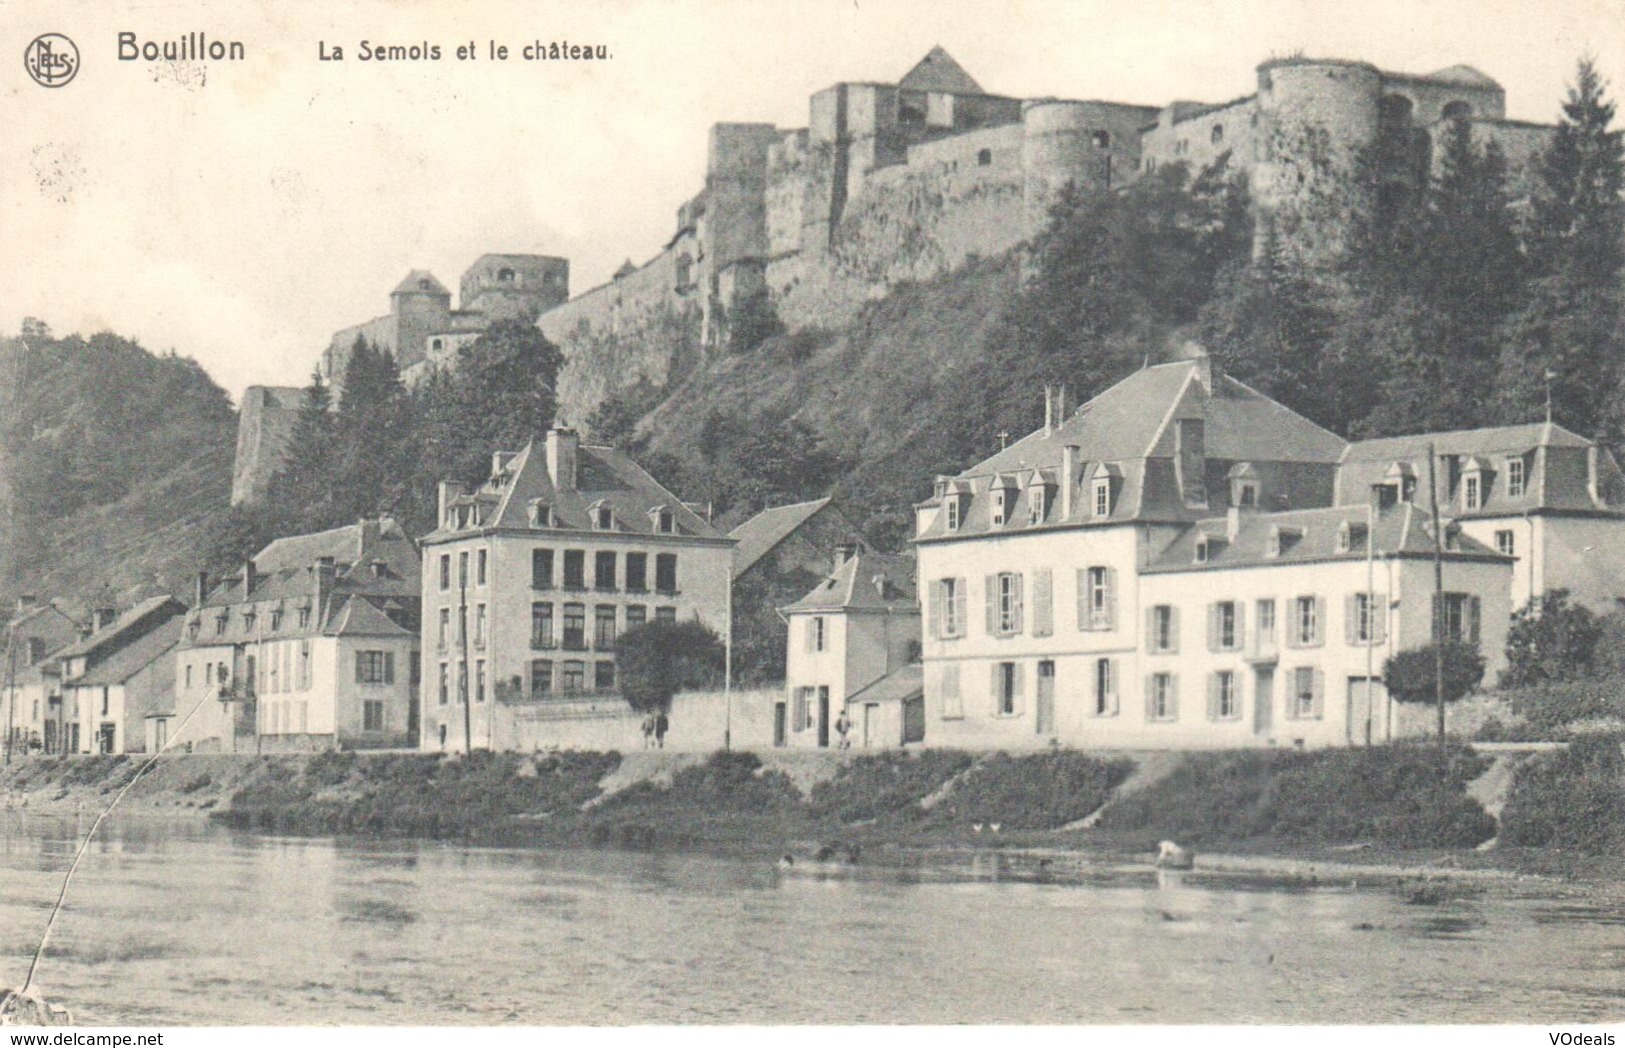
{"x":658,"y":659}
{"x":1567,"y":333}
{"x":1550,"y":640}
{"x":1411,"y":675}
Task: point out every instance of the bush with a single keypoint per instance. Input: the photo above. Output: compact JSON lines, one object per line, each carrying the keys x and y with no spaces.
{"x":1552,"y":708}
{"x":886,"y":785}
{"x":1550,"y":639}
{"x":1034,"y":792}
{"x":726,"y":782}
{"x":1570,"y":799}
{"x":1412,"y":675}
{"x":1408,"y":796}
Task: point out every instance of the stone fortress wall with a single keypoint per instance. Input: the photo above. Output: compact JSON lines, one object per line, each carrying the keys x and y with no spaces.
{"x":905,"y":182}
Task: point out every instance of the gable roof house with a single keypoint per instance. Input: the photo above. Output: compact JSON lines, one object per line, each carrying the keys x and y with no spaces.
{"x":115,"y":675}
{"x":1056,"y":575}
{"x":29,"y":676}
{"x":312,"y":645}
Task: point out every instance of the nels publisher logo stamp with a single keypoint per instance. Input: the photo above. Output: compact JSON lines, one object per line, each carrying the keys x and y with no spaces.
{"x":51,"y":59}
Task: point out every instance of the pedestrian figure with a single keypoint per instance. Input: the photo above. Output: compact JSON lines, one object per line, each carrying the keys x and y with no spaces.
{"x":842,"y":727}
{"x":661,"y":724}
{"x":649,"y":731}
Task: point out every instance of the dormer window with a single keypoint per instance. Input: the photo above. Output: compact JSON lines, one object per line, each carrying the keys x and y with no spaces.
{"x":1103,"y":497}
{"x":603,"y":517}
{"x":1004,"y":497}
{"x":1243,"y":486}
{"x":541,"y":514}
{"x":248,"y":620}
{"x":1515,"y":476}
{"x":304,"y":617}
{"x":954,"y":512}
{"x":1472,"y":491}
{"x":1202,"y":549}
{"x":1350,"y":536}
{"x":276,"y":620}
{"x":662,"y":520}
{"x":1035,"y":504}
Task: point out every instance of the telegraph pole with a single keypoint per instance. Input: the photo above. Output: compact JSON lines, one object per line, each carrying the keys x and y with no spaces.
{"x":11,"y":688}
{"x":1438,"y":594}
{"x":465,"y":685}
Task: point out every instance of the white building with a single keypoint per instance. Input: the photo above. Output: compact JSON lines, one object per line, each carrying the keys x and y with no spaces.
{"x":531,"y":577}
{"x":313,"y":646}
{"x":859,"y":626}
{"x":1168,"y":567}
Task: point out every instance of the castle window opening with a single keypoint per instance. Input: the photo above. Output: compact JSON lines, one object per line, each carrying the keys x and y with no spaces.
{"x":685,"y":272}
{"x":423,"y":284}
{"x":1457,"y":110}
{"x":1102,"y":139}
{"x":1217,"y":134}
{"x":435,"y":343}
{"x":505,"y":275}
{"x":984,"y":158}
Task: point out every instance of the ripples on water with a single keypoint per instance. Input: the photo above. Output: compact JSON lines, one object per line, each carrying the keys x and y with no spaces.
{"x":191,"y":924}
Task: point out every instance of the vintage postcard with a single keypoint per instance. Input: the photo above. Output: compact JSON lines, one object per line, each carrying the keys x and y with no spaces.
{"x":696,"y":513}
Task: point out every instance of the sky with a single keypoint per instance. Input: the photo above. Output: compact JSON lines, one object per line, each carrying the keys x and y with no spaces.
{"x":240,"y":212}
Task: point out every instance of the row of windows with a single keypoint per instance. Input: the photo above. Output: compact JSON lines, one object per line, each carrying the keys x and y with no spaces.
{"x":547,"y":678}
{"x":274,"y":621}
{"x":572,"y":635}
{"x":1006,"y":604}
{"x":1102,"y":499}
{"x":635,"y":575}
{"x":601,"y":514}
{"x":1007,"y":687}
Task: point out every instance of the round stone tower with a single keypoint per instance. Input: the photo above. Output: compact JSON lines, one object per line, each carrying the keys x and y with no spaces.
{"x":1062,"y":142}
{"x":1316,"y":117}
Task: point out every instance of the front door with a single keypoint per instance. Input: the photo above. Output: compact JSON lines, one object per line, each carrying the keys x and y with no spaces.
{"x":1367,"y":706}
{"x":781,"y":716}
{"x":73,"y":738}
{"x":823,"y":715}
{"x":871,"y":723}
{"x":1046,"y":698}
{"x":1263,"y":700}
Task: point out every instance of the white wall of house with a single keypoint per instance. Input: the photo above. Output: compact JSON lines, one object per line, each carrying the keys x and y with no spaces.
{"x":817,"y":674}
{"x":1584,"y":555}
{"x":507,"y":594}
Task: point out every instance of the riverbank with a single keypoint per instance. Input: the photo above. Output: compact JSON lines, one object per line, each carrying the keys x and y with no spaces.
{"x":1394,"y":811}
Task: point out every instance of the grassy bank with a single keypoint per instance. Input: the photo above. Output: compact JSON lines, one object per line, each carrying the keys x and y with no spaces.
{"x":1390,"y":800}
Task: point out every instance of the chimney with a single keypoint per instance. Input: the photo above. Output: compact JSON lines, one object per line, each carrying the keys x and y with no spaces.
{"x":370,"y":532}
{"x":250,"y":577}
{"x":844,"y":552}
{"x":324,"y":583}
{"x":1232,"y":524}
{"x":562,"y":445}
{"x":1204,"y":369}
{"x":1069,"y":478}
{"x":200,"y":588}
{"x":448,"y":491}
{"x":102,"y":618}
{"x":1051,"y":409}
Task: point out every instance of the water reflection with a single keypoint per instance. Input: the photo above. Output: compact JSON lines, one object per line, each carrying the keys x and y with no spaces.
{"x":192,"y":924}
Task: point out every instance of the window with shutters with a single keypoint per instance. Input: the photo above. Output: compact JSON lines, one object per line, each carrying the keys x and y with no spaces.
{"x":1043,"y":603}
{"x":1224,"y":626}
{"x":1004,"y":597}
{"x":1305,"y":701}
{"x":803,"y":714}
{"x":479,"y":680}
{"x":948,"y":608}
{"x":479,"y":625}
{"x":1164,"y":629}
{"x":1007,"y":689}
{"x":817,"y":633}
{"x":1367,"y":618}
{"x":1162,"y":697}
{"x":1105,"y":688}
{"x":445,"y":628}
{"x":1458,"y":618}
{"x":1097,"y":604}
{"x":445,"y":683}
{"x":445,"y":571}
{"x":953,"y":702}
{"x":372,"y":715}
{"x":1306,"y":621}
{"x":1222,"y":704}
{"x":375,"y":667}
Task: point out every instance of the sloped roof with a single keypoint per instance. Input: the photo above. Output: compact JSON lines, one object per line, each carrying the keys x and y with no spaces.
{"x":131,"y":619}
{"x":938,"y":71}
{"x":361,"y":618}
{"x":1312,"y":535}
{"x":1486,"y":441}
{"x":135,"y":657}
{"x":420,"y":282}
{"x":603,"y":475}
{"x":758,"y":535}
{"x":20,"y":622}
{"x":865,"y":582}
{"x":898,"y":686}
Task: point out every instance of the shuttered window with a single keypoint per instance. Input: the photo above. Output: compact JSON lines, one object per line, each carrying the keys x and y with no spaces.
{"x":1162,"y":629}
{"x":1224,"y":626}
{"x":1308,"y":698}
{"x":1105,"y":702}
{"x":1006,"y":689}
{"x":1097,"y":598}
{"x":1307,"y":628}
{"x":1162,"y":697}
{"x":1043,"y":603}
{"x":1004,"y":604}
{"x":1366,"y":618}
{"x":1222,"y":702}
{"x":953,"y":702}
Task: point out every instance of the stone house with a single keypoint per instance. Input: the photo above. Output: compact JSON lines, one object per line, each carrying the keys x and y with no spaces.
{"x":312,"y":646}
{"x":532,"y":576}
{"x":31,"y":682}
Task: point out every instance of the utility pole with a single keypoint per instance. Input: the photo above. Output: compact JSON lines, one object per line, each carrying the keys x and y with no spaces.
{"x":1438,"y":593}
{"x":728,"y":662}
{"x":1372,"y":611}
{"x":11,"y":687}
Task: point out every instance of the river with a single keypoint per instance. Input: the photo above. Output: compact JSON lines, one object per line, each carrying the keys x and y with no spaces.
{"x":184,"y":923}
